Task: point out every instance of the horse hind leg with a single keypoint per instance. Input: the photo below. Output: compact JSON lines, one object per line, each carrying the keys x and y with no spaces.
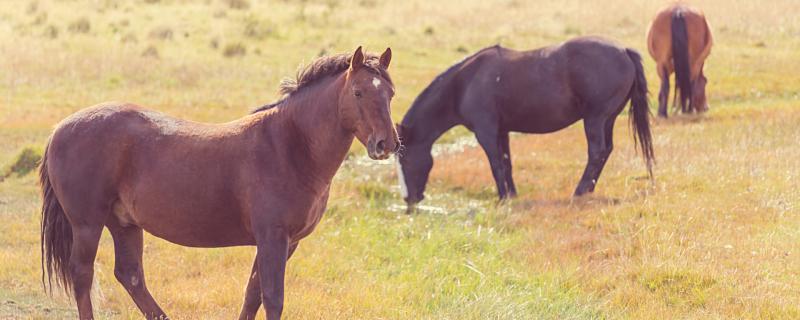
{"x":128,"y":245}
{"x":609,"y":147}
{"x":85,"y":240}
{"x":663,"y":93}
{"x":595,"y":130}
{"x":490,"y":141}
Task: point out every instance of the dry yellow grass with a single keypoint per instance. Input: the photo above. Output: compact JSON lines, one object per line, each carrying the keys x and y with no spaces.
{"x":716,"y":237}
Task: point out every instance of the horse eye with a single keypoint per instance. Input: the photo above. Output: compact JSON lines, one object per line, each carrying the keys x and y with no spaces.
{"x":358,"y":94}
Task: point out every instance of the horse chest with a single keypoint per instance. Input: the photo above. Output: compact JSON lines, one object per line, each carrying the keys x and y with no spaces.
{"x":312,"y":216}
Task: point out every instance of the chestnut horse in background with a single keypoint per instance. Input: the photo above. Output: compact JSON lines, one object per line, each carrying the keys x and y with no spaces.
{"x":260,"y":180}
{"x":680,"y":40}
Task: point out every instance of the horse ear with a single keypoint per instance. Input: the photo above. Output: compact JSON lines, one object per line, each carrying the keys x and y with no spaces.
{"x":357,"y":60}
{"x":386,"y":57}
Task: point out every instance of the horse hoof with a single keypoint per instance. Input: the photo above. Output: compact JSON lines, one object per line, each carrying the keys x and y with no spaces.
{"x":581,"y":193}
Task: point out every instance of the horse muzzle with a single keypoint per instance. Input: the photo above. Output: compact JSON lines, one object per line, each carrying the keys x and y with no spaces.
{"x":380,"y":149}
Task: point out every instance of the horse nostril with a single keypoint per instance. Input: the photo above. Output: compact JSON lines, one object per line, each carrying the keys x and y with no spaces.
{"x":381,"y":145}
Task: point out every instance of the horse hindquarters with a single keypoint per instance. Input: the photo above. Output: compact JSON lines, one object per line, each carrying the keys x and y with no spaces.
{"x":600,"y":125}
{"x":68,"y":248}
{"x":77,"y":179}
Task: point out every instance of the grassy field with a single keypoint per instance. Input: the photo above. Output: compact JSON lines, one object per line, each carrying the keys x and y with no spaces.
{"x":717,"y":236}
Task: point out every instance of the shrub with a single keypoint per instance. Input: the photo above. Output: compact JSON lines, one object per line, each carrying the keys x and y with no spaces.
{"x":257,"y":29}
{"x":26,"y":161}
{"x":234,"y":50}
{"x":238,"y":4}
{"x":128,"y":38}
{"x":150,"y":52}
{"x":161,"y":33}
{"x":81,"y":25}
{"x":51,"y":32}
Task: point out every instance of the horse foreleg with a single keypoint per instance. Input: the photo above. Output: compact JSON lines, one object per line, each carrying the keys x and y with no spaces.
{"x":252,"y":296}
{"x":490,"y":141}
{"x":273,"y":252}
{"x":506,"y":150}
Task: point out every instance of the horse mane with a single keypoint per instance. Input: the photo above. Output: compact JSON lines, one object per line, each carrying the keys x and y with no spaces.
{"x":321,"y":68}
{"x":441,"y":77}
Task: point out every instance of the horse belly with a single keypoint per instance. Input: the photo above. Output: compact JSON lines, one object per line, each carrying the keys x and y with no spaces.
{"x":193,"y":224}
{"x":207,"y":234}
{"x":539,"y":114}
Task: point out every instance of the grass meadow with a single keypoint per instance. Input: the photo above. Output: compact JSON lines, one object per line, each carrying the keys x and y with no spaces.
{"x":716,"y":236}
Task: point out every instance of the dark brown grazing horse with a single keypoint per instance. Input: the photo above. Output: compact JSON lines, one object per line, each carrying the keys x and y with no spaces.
{"x":680,"y":40}
{"x":499,"y":90}
{"x":261,"y":180}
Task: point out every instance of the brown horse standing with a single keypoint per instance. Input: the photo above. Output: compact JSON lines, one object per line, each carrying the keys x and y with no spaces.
{"x":261,"y":180}
{"x":680,"y":40}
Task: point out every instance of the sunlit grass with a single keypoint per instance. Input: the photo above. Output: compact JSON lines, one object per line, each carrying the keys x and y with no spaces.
{"x":717,"y":236}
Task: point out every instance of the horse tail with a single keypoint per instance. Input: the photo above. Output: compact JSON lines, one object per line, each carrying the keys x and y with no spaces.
{"x":56,"y":234}
{"x":640,"y":111}
{"x":680,"y":57}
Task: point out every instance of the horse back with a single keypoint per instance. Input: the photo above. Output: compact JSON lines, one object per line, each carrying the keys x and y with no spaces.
{"x":547,"y":89}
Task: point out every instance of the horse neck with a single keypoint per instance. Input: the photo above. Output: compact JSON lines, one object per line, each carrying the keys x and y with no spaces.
{"x":311,"y":119}
{"x":431,"y":115}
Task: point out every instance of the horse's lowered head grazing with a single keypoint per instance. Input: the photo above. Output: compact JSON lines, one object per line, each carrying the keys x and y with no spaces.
{"x":413,"y":167}
{"x":364,"y":104}
{"x":699,"y":101}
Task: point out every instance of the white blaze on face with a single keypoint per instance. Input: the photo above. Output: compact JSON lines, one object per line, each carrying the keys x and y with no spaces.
{"x":376,"y":82}
{"x":402,"y":178}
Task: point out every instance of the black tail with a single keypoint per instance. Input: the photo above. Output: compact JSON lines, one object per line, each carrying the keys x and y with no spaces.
{"x":640,"y":111}
{"x":56,"y":234}
{"x":680,"y":57}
